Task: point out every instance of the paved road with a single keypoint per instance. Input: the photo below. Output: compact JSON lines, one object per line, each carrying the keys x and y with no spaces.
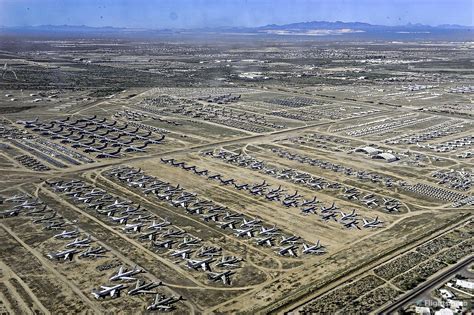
{"x":428,"y":285}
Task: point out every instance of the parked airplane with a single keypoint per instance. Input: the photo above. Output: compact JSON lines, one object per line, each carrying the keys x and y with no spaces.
{"x":229,"y":262}
{"x":351,"y":224}
{"x":372,"y":224}
{"x":144,"y":288}
{"x":270,"y":231}
{"x":345,"y":216}
{"x":94,"y":252}
{"x":290,"y":239}
{"x":160,"y":225}
{"x":243,"y":232}
{"x":184,"y":253}
{"x":126,"y":275}
{"x":85,"y":242}
{"x":108,"y":291}
{"x":224,"y":276}
{"x":265,"y":241}
{"x":291,"y":250}
{"x":196,"y":264}
{"x":313,"y":249}
{"x":65,"y":254}
{"x":104,"y":155}
{"x":163,"y":304}
{"x":332,"y":207}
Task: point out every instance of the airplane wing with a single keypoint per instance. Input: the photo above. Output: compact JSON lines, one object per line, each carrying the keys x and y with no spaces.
{"x":127,"y":278}
{"x":104,"y":287}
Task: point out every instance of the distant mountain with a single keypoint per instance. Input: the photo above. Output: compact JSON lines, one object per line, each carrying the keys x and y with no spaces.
{"x":313,"y":28}
{"x":355,"y":25}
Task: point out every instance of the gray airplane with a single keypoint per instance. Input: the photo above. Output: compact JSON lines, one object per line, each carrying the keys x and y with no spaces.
{"x":144,"y":288}
{"x":65,"y":254}
{"x":203,"y":264}
{"x":224,"y":276}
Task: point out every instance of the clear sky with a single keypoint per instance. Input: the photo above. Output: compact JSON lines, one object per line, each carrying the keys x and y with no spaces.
{"x":211,"y":13}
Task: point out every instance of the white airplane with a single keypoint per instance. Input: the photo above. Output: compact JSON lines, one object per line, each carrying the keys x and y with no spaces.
{"x":345,"y":216}
{"x":133,"y":227}
{"x":270,"y":231}
{"x":250,"y":223}
{"x":126,"y":275}
{"x":163,"y":304}
{"x":196,"y":264}
{"x":372,"y":224}
{"x":108,"y":291}
{"x":80,"y":243}
{"x":159,"y":225}
{"x":244,"y":232}
{"x":313,"y":249}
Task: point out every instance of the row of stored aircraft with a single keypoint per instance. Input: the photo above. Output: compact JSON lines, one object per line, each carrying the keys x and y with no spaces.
{"x":209,"y":211}
{"x":92,"y":135}
{"x":144,"y":226}
{"x":302,"y":178}
{"x":141,"y":287}
{"x":278,"y":194}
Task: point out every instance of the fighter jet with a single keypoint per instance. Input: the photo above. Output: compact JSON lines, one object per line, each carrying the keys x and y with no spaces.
{"x":108,"y":291}
{"x":122,"y":274}
{"x":143,"y":288}
{"x":163,"y":304}
{"x":224,"y":276}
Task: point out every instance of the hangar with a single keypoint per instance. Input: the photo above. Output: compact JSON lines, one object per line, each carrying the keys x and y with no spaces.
{"x":368,"y":150}
{"x":389,"y":157}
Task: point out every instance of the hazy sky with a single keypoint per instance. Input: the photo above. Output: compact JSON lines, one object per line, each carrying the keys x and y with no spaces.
{"x":209,"y":13}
